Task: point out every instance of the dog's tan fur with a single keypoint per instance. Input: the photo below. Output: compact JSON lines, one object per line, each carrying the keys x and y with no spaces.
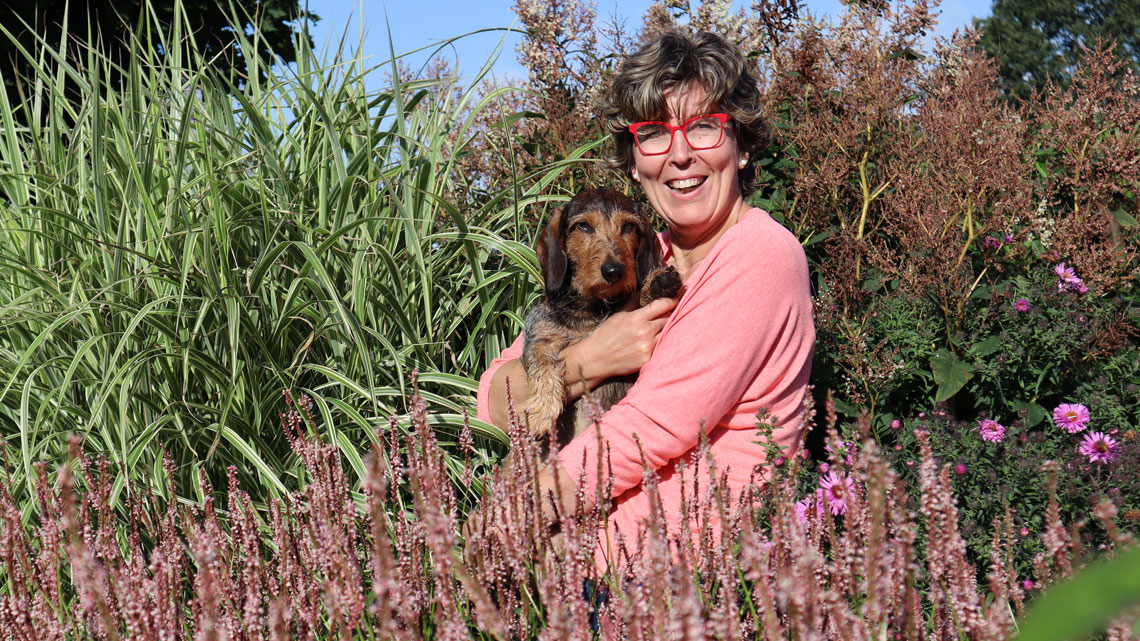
{"x":596,"y":252}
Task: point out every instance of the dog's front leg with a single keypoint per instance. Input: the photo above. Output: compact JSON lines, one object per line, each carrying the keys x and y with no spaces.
{"x":663,"y":282}
{"x":545,"y":373}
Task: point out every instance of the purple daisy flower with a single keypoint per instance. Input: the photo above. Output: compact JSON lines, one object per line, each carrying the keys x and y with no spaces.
{"x":1099,"y":447}
{"x":991,"y":430}
{"x":1021,"y":305}
{"x":1071,"y":417}
{"x":836,"y":488}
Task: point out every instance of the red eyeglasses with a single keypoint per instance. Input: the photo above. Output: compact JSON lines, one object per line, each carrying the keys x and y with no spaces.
{"x":654,"y":138}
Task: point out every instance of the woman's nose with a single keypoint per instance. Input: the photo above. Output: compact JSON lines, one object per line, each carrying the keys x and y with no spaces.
{"x":679,"y":150}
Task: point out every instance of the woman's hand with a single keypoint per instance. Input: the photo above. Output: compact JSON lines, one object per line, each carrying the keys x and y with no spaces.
{"x":621,"y":344}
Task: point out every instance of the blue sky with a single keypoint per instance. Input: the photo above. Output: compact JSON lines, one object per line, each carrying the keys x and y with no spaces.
{"x":422,"y":23}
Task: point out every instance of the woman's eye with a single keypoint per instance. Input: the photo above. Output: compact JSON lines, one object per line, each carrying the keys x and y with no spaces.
{"x":649,"y":133}
{"x":628,"y":228}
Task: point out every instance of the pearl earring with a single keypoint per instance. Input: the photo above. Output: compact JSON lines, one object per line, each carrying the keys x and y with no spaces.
{"x":635,"y":175}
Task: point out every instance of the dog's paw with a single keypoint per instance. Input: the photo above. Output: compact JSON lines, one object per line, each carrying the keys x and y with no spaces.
{"x":666,"y":284}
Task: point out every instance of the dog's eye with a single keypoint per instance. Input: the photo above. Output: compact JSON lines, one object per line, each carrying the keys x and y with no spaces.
{"x":628,"y":228}
{"x":583,"y":227}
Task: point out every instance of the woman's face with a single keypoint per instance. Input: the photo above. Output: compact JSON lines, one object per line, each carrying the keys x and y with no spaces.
{"x":696,"y":191}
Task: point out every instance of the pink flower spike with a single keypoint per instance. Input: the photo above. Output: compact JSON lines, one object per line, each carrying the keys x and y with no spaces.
{"x":991,"y":430}
{"x":1099,"y":447}
{"x":1022,"y":305}
{"x":836,"y":488}
{"x":1071,"y":417}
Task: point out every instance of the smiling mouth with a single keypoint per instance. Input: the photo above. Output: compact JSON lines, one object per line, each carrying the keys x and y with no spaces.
{"x":686,"y":185}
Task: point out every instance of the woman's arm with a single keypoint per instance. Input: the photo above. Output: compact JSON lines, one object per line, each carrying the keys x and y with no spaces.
{"x":622,"y":344}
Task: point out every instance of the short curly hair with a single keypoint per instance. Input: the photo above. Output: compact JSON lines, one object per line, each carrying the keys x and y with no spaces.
{"x":677,"y":58}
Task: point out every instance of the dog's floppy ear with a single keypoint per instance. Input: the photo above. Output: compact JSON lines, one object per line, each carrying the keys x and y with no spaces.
{"x":649,"y":251}
{"x":551,"y":250}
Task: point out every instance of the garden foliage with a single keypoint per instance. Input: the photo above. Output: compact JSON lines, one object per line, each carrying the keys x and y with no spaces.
{"x":391,"y":565}
{"x":174,"y":257}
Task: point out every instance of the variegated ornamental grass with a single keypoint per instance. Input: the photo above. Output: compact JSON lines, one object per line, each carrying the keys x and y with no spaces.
{"x":175,"y":254}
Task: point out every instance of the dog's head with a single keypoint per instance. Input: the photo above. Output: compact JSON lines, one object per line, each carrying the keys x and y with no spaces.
{"x":600,"y":245}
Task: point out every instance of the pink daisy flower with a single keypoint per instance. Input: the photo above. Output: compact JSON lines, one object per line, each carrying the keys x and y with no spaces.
{"x":991,"y":430}
{"x":1071,"y":417}
{"x":836,"y":488}
{"x":810,"y":506}
{"x":1099,"y":447}
{"x":1065,"y":274}
{"x":1021,"y":305}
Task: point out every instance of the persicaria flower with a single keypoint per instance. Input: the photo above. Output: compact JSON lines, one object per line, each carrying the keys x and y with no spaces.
{"x":846,"y":447}
{"x":836,"y":488}
{"x":991,"y":430}
{"x":1071,"y":417}
{"x":1099,"y":447}
{"x":1021,"y":305}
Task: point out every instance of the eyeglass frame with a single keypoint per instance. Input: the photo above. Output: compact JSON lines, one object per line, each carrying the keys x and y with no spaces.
{"x":673,"y":129}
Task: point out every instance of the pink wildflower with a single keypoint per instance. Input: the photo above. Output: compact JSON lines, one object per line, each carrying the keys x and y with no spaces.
{"x":812,"y":505}
{"x":1099,"y":447}
{"x":1021,"y":305}
{"x":1024,"y":531}
{"x":1071,"y":417}
{"x":960,"y":469}
{"x":991,"y":430}
{"x":1027,"y":585}
{"x":846,"y":447}
{"x":836,"y":488}
{"x":896,"y":424}
{"x":1067,"y":279}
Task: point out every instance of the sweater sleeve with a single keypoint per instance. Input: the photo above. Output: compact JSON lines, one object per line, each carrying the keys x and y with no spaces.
{"x":738,"y":336}
{"x":482,"y":396}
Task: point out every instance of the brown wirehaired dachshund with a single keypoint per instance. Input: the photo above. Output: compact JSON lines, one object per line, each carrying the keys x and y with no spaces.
{"x":596,"y":252}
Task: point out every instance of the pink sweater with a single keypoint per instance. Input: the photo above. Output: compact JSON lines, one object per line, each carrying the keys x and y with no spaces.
{"x":739,"y":340}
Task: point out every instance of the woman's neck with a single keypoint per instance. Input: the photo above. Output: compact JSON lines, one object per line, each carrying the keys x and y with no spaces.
{"x":689,"y":250}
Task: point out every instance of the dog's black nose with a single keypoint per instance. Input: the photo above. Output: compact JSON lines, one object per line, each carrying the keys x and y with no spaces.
{"x":613,"y":272}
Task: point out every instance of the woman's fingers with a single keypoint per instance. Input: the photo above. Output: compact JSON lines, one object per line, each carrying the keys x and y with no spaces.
{"x":657,"y":309}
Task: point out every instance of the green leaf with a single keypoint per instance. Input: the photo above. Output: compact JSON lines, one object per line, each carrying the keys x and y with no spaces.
{"x":1125,"y":219}
{"x":1083,"y":605}
{"x":986,"y":347}
{"x":949,"y":372}
{"x":1034,"y":412}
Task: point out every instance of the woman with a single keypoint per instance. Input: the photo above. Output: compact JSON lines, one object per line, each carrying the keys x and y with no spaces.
{"x":686,"y":118}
